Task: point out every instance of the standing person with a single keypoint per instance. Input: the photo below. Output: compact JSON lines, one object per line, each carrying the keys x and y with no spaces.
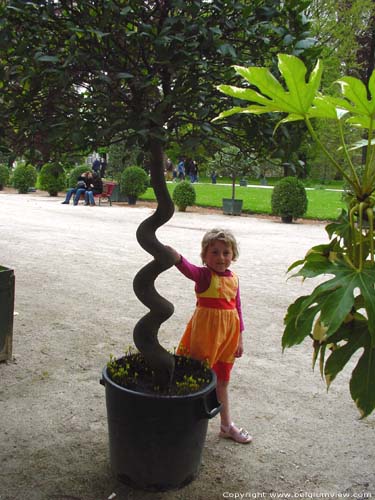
{"x":169,"y":170}
{"x":96,"y":165}
{"x":103,"y":167}
{"x":95,"y":187}
{"x":181,"y":169}
{"x":194,"y":171}
{"x":214,"y":333}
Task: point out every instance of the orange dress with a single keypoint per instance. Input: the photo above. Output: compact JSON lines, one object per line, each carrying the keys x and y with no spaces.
{"x":213,"y":332}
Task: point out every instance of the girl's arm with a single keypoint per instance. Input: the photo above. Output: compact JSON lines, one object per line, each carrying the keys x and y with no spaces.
{"x":201,"y":275}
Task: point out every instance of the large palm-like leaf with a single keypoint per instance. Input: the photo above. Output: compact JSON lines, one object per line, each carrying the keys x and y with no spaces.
{"x":340,"y":312}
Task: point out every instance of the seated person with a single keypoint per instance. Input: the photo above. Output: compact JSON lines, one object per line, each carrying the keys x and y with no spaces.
{"x":81,"y":185}
{"x":95,"y":187}
{"x":82,"y":190}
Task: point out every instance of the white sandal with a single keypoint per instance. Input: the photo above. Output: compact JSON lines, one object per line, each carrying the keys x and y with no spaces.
{"x":238,"y":435}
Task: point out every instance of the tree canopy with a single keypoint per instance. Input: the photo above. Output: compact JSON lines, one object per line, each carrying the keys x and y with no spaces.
{"x":77,"y":75}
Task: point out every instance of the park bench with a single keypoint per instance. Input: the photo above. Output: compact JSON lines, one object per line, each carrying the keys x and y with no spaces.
{"x":108,"y":188}
{"x":105,"y":196}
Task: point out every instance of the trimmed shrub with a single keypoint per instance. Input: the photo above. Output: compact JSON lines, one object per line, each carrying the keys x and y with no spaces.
{"x":4,"y":176}
{"x":184,"y":195}
{"x":134,"y":181}
{"x":24,"y":177}
{"x":75,"y":173}
{"x":52,"y":178}
{"x":289,"y":199}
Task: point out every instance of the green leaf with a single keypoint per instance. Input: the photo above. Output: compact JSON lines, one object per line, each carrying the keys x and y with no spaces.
{"x":298,"y":97}
{"x":355,"y":91}
{"x":357,"y":332}
{"x":298,"y":326}
{"x":362,"y":383}
{"x":45,"y":58}
{"x":333,"y":299}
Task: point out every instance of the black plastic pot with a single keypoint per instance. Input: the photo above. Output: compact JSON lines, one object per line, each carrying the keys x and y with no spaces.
{"x":287,"y":219}
{"x":132,"y":200}
{"x":156,"y":441}
{"x":6,"y":312}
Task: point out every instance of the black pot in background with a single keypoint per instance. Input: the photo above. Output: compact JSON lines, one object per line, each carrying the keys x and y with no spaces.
{"x":132,"y":200}
{"x":6,"y":312}
{"x":156,"y":441}
{"x":287,"y":219}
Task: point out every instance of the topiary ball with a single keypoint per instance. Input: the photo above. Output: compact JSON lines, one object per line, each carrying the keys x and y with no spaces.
{"x":52,"y":178}
{"x":134,"y":181}
{"x":184,"y":195}
{"x":289,"y":199}
{"x":24,"y":177}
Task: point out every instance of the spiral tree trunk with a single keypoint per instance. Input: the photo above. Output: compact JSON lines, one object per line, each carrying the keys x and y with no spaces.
{"x":145,"y":333}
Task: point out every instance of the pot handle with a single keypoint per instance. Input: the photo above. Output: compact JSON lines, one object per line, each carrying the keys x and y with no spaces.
{"x":102,"y":381}
{"x":210,"y":412}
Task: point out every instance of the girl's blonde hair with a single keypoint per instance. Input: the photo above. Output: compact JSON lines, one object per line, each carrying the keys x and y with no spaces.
{"x":224,"y":235}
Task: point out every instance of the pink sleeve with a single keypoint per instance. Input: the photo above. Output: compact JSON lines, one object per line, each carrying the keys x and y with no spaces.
{"x":201,"y":275}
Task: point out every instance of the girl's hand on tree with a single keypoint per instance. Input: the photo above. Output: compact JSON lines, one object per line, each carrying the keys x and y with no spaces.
{"x":174,"y":254}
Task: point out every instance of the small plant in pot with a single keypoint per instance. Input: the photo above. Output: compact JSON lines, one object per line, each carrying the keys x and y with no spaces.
{"x":232,"y":162}
{"x":134,"y":182}
{"x":52,"y":178}
{"x":184,"y":195}
{"x":289,"y":199}
{"x":24,"y":177}
{"x":339,"y":315}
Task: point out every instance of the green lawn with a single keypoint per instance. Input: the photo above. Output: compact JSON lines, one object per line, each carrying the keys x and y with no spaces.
{"x":322,"y":204}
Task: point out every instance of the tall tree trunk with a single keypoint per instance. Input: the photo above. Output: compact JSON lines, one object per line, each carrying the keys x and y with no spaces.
{"x":146,"y":330}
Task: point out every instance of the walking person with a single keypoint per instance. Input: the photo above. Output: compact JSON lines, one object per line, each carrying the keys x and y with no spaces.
{"x":214,"y":333}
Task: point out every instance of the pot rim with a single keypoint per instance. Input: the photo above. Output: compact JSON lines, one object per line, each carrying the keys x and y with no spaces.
{"x":194,"y":395}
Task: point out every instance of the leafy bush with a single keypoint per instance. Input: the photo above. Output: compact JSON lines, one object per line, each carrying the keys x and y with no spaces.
{"x":75,"y":173}
{"x":4,"y":176}
{"x":289,"y":198}
{"x":184,"y":195}
{"x":52,"y":178}
{"x":24,"y":177}
{"x":134,"y":181}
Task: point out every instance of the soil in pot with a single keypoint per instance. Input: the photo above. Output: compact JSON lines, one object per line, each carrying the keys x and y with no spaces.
{"x":132,"y":372}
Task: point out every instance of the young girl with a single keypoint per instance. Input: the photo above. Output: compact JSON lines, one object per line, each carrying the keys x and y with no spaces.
{"x":214,"y":333}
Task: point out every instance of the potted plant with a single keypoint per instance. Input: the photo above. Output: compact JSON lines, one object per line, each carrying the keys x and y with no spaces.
{"x":289,"y":199}
{"x":24,"y":177}
{"x":230,"y":161}
{"x":52,"y":178}
{"x":156,"y":435}
{"x":184,"y":195}
{"x":339,"y":315}
{"x":133,"y":183}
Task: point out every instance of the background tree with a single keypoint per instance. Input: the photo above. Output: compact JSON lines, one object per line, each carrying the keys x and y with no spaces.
{"x":345,"y":31}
